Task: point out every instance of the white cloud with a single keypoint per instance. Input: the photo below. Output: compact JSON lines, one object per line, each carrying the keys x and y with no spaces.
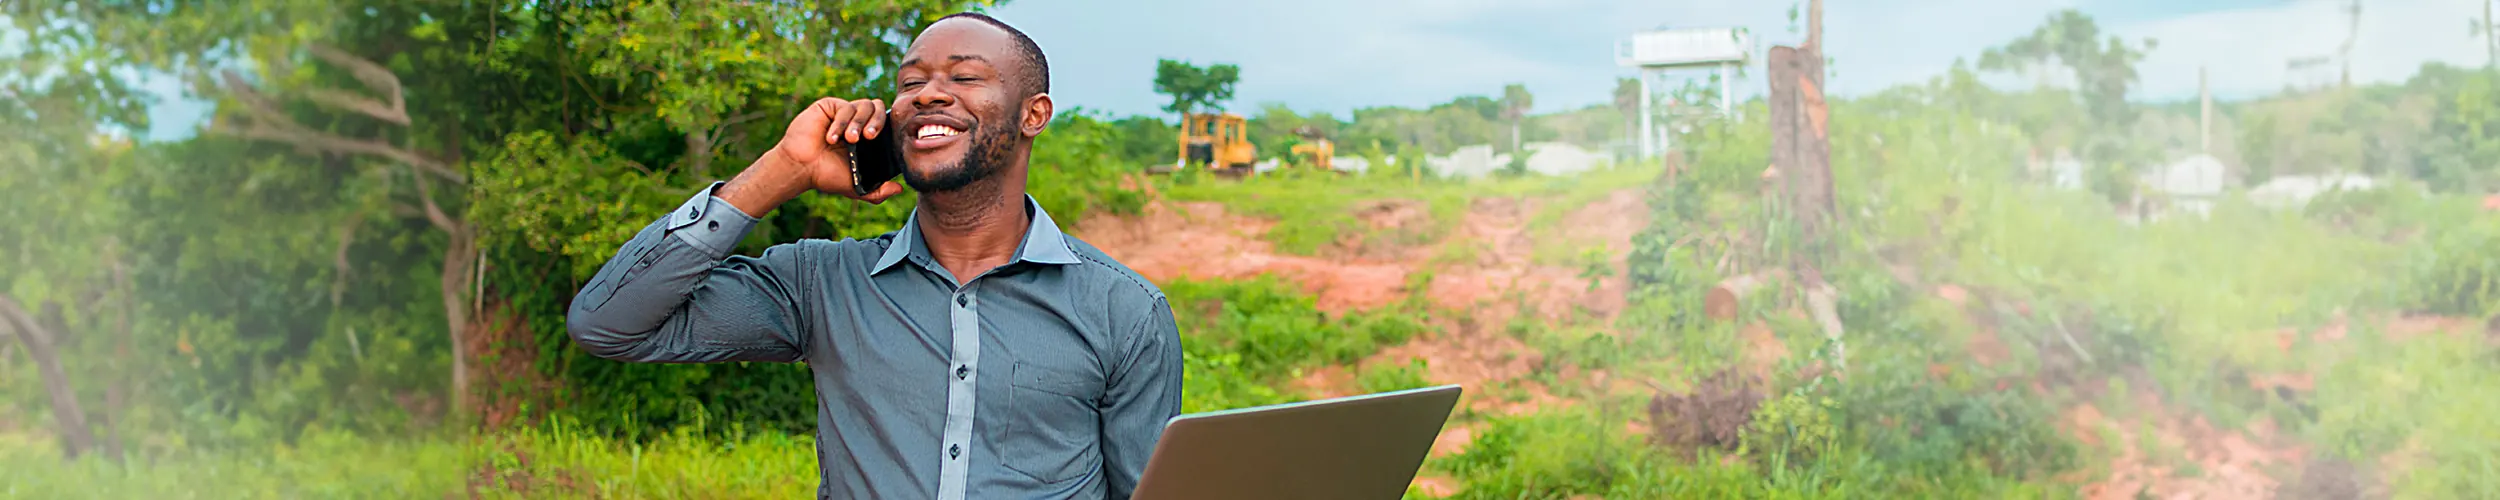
{"x":2245,"y":51}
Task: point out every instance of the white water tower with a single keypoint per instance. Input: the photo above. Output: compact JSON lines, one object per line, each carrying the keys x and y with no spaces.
{"x":1657,"y":51}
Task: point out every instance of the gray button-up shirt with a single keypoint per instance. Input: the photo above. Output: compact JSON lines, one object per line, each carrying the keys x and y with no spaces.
{"x":1048,"y":377}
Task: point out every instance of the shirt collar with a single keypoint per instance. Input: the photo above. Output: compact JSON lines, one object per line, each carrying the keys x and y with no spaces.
{"x":1043,"y":243}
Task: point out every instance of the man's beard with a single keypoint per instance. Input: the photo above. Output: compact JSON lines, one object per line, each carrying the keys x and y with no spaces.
{"x":989,"y":154}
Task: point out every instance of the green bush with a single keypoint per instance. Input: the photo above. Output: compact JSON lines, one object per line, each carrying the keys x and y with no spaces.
{"x":2428,"y":398}
{"x":1552,"y":454}
{"x":2457,"y":271}
{"x":1394,"y":378}
{"x":1243,"y":338}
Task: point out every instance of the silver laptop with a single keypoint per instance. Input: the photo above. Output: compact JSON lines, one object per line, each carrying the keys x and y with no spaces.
{"x":1361,"y":448}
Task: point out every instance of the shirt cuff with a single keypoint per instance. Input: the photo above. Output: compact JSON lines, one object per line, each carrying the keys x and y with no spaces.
{"x":709,"y":223}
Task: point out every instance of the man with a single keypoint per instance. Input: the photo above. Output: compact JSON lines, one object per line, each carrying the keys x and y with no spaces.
{"x":977,"y":352}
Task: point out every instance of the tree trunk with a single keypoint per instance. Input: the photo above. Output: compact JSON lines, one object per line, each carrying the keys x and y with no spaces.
{"x":457,"y":257}
{"x":75,"y":436}
{"x":1801,"y":150}
{"x":1726,"y":300}
{"x":116,"y":385}
{"x":260,"y":117}
{"x":1814,"y":32}
{"x":698,"y":152}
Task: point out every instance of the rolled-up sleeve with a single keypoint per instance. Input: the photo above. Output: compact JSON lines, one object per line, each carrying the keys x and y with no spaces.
{"x":1145,"y":393}
{"x":669,"y":296}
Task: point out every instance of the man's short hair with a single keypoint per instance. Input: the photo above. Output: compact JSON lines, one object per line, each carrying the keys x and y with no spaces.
{"x":1037,"y":71}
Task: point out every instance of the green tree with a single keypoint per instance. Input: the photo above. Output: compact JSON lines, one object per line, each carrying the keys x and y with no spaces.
{"x":63,"y":251}
{"x":1146,"y":140}
{"x":1192,"y":87}
{"x":2465,"y":145}
{"x":480,"y":157}
{"x":2070,"y":43}
{"x":2102,"y":69}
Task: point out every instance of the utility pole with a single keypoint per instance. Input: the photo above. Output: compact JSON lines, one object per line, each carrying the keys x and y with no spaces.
{"x":2345,"y":52}
{"x":1814,"y":30}
{"x":2204,"y":114}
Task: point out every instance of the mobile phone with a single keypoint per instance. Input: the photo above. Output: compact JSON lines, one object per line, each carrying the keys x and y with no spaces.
{"x":876,"y":160}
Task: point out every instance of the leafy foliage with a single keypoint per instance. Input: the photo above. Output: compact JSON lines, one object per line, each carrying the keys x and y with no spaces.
{"x":1194,"y":87}
{"x":2102,"y":69}
{"x":1275,"y":329}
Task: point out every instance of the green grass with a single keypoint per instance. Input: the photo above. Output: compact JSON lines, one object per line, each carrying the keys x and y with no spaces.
{"x":322,"y":464}
{"x":554,"y":461}
{"x":1245,"y":338}
{"x":1394,"y":377}
{"x":2428,"y":397}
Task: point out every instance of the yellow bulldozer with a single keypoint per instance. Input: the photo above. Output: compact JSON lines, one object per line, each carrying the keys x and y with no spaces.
{"x":1315,"y":151}
{"x":1218,"y":142}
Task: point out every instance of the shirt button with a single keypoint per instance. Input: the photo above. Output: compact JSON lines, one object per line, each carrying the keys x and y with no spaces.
{"x":963,"y":300}
{"x":691,"y":214}
{"x":712,"y":226}
{"x":954,"y":451}
{"x":963,"y":372}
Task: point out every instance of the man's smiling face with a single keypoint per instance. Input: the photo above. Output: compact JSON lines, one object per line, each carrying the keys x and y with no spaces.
{"x":961,"y":94}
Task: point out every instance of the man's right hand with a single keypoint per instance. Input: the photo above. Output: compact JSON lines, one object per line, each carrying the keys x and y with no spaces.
{"x":814,"y":155}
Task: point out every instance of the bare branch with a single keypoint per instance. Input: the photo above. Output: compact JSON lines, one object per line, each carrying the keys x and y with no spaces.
{"x":433,"y":212}
{"x":374,"y":77}
{"x":734,"y":120}
{"x":267,"y":122}
{"x":351,"y":102}
{"x":75,"y":437}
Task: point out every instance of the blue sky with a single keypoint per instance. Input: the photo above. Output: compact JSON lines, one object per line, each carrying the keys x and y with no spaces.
{"x":1337,"y":55}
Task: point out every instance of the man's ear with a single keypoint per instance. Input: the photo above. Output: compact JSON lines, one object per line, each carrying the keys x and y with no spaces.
{"x":1037,"y":110}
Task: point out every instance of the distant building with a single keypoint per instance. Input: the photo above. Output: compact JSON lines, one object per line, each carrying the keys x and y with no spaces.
{"x":2190,"y":184}
{"x":2292,"y":192}
{"x":2061,"y":170}
{"x":1355,"y":164}
{"x":2065,"y":172}
{"x":1549,"y":158}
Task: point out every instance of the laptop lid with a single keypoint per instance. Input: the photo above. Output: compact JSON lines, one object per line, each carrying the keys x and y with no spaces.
{"x":1362,"y":447}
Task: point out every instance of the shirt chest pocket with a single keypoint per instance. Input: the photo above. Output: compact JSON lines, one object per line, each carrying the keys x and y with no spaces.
{"x":1051,"y":428}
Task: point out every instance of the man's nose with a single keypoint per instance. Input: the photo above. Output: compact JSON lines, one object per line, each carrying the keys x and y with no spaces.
{"x":933,"y":95}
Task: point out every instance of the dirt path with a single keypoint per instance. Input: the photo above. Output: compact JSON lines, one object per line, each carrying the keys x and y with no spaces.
{"x":2161,"y":452}
{"x":1477,"y":298}
{"x":1202,"y":240}
{"x":1483,"y":296}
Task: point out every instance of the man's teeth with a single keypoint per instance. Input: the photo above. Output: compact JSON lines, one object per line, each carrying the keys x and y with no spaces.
{"x":927,"y":131}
